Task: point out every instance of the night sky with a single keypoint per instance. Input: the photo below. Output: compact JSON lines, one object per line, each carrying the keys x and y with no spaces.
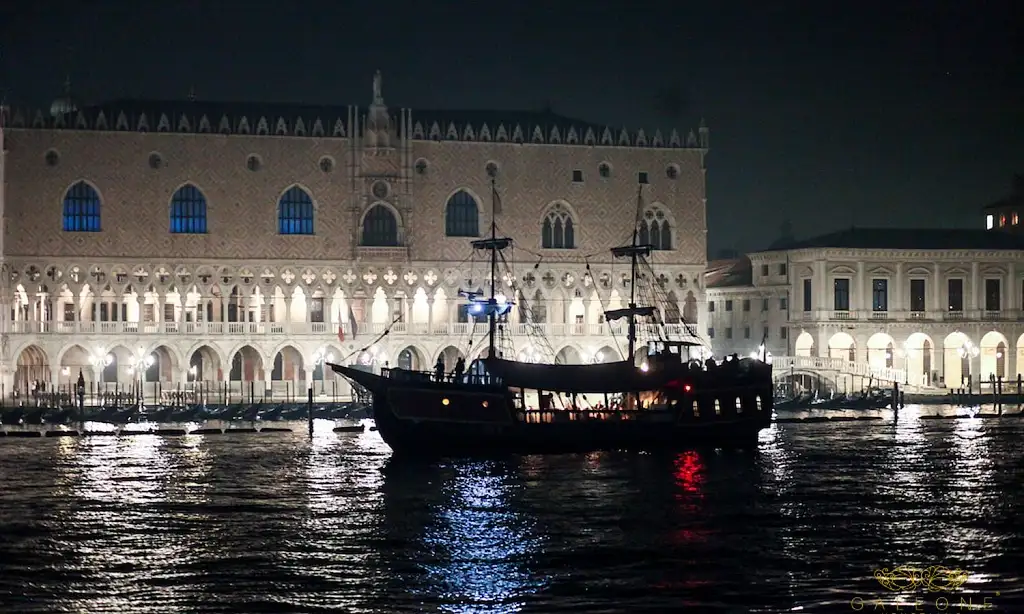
{"x":870,"y":114}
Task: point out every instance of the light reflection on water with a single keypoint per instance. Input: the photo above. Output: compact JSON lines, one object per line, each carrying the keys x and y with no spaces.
{"x":261,"y":523}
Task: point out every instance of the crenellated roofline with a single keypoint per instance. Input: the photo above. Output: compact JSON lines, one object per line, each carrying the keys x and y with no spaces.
{"x":199,"y":117}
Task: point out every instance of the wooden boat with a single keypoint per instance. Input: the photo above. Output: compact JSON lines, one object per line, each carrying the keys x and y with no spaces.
{"x":666,"y":402}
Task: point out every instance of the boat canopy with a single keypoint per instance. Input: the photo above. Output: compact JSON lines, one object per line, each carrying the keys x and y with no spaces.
{"x":601,"y":377}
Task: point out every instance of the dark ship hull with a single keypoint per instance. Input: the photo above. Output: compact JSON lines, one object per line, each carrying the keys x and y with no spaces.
{"x":665,"y":410}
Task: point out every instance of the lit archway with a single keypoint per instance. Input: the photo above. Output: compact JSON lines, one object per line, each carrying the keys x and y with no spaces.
{"x":568,"y":356}
{"x":881,"y":351}
{"x":956,"y":359}
{"x":287,"y":365}
{"x":411,"y":359}
{"x":992,"y":351}
{"x":246,"y":365}
{"x":33,"y":366}
{"x":449,"y":356}
{"x":919,"y":355}
{"x":164,"y":367}
{"x":204,"y":365}
{"x":841,"y":345}
{"x":804,"y":344}
{"x":73,"y":360}
{"x":607,"y":354}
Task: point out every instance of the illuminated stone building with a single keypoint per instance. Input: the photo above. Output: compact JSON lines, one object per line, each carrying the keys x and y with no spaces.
{"x":938,"y":305}
{"x":191,"y":241}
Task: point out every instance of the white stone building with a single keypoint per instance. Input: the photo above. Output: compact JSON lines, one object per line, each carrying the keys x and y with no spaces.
{"x":169,"y":243}
{"x":941,"y":304}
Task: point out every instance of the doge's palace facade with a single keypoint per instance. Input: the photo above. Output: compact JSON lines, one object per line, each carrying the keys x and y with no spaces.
{"x":241,"y":246}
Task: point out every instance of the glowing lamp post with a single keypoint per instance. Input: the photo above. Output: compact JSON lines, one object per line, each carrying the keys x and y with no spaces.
{"x":968,"y":350}
{"x":762,"y":354}
{"x":320,"y":359}
{"x":141,"y":362}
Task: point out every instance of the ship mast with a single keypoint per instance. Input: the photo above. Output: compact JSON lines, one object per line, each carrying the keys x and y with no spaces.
{"x":634,"y":251}
{"x":494,"y":244}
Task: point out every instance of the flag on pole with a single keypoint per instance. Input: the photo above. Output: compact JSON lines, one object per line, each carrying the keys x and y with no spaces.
{"x":341,"y":328}
{"x":352,"y":322}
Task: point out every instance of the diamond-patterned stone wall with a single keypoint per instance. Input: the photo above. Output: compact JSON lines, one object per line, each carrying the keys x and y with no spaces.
{"x":242,"y":203}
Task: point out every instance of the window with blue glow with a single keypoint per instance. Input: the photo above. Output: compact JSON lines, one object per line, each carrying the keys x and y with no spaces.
{"x":380,"y":228}
{"x":82,"y":209}
{"x":462,"y":216}
{"x":188,"y":211}
{"x":295,"y":212}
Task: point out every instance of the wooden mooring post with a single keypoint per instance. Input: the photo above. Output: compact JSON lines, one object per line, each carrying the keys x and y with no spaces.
{"x":309,"y":413}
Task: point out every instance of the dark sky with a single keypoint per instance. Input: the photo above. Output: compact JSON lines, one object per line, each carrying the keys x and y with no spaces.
{"x":831,"y":114}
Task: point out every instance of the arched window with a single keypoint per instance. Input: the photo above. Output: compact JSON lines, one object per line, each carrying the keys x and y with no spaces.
{"x":82,"y":209}
{"x":380,"y":228}
{"x":557,"y":231}
{"x":188,"y":211}
{"x":295,"y":212}
{"x":655,"y":230}
{"x":462,"y":216}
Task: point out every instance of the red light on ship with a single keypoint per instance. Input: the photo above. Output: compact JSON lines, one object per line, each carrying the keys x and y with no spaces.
{"x":687,"y":388}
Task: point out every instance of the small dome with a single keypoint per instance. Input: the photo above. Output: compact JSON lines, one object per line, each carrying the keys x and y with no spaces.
{"x":62,"y":106}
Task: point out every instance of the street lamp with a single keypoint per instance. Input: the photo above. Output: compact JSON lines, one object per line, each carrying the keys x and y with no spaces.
{"x":141,"y":361}
{"x":320,"y":359}
{"x":967,"y":350}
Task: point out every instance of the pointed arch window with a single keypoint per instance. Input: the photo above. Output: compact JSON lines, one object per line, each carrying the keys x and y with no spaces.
{"x":558,"y":231}
{"x":462,"y":216}
{"x":295,"y":212}
{"x":380,"y":228}
{"x":82,"y":207}
{"x":188,"y":211}
{"x":655,"y":230}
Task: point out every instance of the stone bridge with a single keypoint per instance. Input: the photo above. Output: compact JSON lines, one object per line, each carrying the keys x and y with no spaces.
{"x":846,"y":376}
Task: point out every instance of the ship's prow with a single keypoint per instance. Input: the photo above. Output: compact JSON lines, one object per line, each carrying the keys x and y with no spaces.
{"x":370,"y":381}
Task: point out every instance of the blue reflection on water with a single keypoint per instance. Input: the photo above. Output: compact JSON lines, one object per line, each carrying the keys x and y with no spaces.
{"x":480,"y":545}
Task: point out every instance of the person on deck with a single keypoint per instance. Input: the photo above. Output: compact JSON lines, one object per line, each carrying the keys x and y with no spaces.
{"x":439,"y":369}
{"x":460,"y":368}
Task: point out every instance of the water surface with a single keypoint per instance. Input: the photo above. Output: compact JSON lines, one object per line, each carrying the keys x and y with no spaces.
{"x":279,"y":523}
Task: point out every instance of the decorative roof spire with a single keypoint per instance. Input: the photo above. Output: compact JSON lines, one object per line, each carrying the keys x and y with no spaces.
{"x":378,"y":97}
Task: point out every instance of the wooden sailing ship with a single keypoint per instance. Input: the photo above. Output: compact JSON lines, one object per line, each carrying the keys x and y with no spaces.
{"x":669,"y":401}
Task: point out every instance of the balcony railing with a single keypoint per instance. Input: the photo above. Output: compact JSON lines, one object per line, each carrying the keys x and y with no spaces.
{"x":258,"y":329}
{"x":974,"y":315}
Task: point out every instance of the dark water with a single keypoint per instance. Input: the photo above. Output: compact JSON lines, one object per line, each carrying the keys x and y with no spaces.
{"x":274,"y":523}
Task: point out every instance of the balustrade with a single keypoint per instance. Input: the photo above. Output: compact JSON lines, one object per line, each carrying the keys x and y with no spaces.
{"x":257,"y":329}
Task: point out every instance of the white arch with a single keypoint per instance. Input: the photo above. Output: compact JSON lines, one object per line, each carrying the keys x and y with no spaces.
{"x":222,"y":360}
{"x":954,"y":371}
{"x":287,"y":344}
{"x":993,"y":357}
{"x":424,"y":357}
{"x":570,"y":346}
{"x":804,"y":344}
{"x":881,"y":350}
{"x":568,"y":208}
{"x":842,"y":345}
{"x":238,"y":348}
{"x":175,"y":356}
{"x":919,"y":360}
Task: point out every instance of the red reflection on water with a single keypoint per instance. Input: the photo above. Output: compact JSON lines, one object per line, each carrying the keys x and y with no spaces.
{"x":689,"y":473}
